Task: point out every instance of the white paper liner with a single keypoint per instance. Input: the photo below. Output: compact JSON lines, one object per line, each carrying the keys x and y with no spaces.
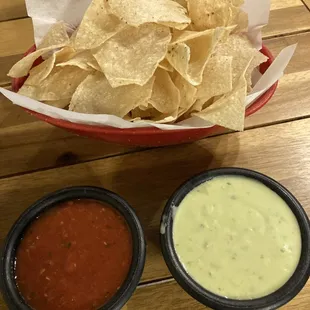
{"x":46,"y":13}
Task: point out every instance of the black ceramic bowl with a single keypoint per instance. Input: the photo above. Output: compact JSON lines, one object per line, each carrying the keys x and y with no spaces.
{"x":273,"y":301}
{"x":9,"y":289}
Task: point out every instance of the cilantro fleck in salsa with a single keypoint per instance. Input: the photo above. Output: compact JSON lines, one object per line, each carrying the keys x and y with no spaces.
{"x":74,"y":256}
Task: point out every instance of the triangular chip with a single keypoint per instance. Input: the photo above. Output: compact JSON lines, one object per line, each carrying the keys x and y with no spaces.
{"x":64,"y":54}
{"x":189,"y":57}
{"x":138,"y":12}
{"x":57,"y":35}
{"x":97,"y":26}
{"x":207,"y":14}
{"x":217,"y":78}
{"x":23,"y":67}
{"x":84,"y":60}
{"x":200,"y":104}
{"x":242,"y":51}
{"x":182,"y":2}
{"x":41,"y":72}
{"x":60,"y":84}
{"x":166,"y":96}
{"x":229,"y":110}
{"x":151,"y":115}
{"x":187,"y":94}
{"x":96,"y":96}
{"x":147,"y":113}
{"x":164,"y":64}
{"x":239,"y":18}
{"x":258,"y":58}
{"x":132,"y":55}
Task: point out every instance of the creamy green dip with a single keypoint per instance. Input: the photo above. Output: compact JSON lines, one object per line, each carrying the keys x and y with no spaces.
{"x":237,"y":238}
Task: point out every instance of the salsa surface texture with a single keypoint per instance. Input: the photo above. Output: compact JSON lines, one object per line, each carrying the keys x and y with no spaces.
{"x":74,"y":256}
{"x":236,"y":237}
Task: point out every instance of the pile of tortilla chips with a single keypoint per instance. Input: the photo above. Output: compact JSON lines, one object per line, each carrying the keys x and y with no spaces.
{"x":148,"y":61}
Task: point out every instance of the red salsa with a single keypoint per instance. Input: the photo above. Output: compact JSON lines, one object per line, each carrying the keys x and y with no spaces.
{"x":74,"y":256}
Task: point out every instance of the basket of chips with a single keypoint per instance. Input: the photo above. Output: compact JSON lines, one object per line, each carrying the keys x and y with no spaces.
{"x":146,"y":73}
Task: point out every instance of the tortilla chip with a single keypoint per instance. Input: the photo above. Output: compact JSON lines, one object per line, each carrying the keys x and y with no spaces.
{"x":96,"y":96}
{"x":151,"y":115}
{"x":201,"y":104}
{"x":237,"y":3}
{"x":217,"y":78}
{"x":57,"y":35}
{"x":258,"y":58}
{"x":229,"y":110}
{"x":165,"y":96}
{"x":84,"y":60}
{"x":182,"y":2}
{"x":60,"y":84}
{"x":61,"y":104}
{"x":240,"y":18}
{"x":242,"y":51}
{"x":132,"y":55}
{"x":147,"y":113}
{"x":138,"y":12}
{"x":187,"y":94}
{"x":97,"y":26}
{"x":164,"y":118}
{"x":207,"y":14}
{"x":189,"y":57}
{"x":23,"y":67}
{"x":41,"y":72}
{"x":164,"y":64}
{"x":64,"y":54}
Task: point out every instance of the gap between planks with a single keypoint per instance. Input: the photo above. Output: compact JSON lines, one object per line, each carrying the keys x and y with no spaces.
{"x":255,"y":127}
{"x":306,"y":3}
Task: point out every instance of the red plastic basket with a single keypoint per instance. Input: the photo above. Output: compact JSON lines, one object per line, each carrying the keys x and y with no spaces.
{"x":145,"y":136}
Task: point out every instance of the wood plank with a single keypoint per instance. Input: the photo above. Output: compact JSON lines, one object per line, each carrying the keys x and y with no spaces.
{"x":282,"y":21}
{"x":13,"y":115}
{"x":5,"y":65}
{"x":146,"y":179}
{"x":12,"y":47}
{"x":281,"y":11}
{"x":170,"y":296}
{"x":54,"y":148}
{"x":292,"y":97}
{"x":284,"y":4}
{"x":307,"y":3}
{"x":29,"y":145}
{"x":16,"y":37}
{"x":170,"y":167}
{"x":12,"y":9}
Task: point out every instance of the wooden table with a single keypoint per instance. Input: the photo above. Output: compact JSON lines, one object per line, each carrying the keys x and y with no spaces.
{"x":36,"y":158}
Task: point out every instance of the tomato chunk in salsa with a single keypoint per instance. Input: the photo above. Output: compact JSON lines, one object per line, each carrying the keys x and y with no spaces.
{"x":74,"y":256}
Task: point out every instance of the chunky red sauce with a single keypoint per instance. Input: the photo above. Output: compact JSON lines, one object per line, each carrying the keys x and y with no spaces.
{"x":74,"y":256}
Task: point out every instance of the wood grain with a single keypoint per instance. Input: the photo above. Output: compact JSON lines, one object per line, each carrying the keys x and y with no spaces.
{"x":36,"y":145}
{"x":13,"y":115}
{"x":284,"y":4}
{"x":307,"y":3}
{"x":170,"y":296}
{"x":16,"y":37}
{"x":293,"y":96}
{"x":146,"y":179}
{"x":5,"y":65}
{"x":281,"y":12}
{"x":282,"y":21}
{"x":11,"y":9}
{"x":42,"y":146}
